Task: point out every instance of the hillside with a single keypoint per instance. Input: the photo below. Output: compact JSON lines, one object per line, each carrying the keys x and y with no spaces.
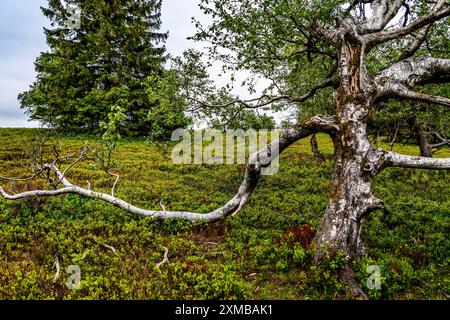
{"x":257,"y":254}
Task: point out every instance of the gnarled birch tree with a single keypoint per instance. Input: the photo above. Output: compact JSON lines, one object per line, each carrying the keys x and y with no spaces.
{"x":281,"y":41}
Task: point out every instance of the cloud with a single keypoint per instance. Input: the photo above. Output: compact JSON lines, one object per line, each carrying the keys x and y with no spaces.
{"x":22,"y":39}
{"x":21,"y":23}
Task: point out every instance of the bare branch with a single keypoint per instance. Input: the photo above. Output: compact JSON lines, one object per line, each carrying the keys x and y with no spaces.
{"x":439,"y":11}
{"x":443,"y":140}
{"x":257,"y":161}
{"x":407,"y":14}
{"x":415,"y":70}
{"x":21,"y":179}
{"x":36,"y":193}
{"x":413,"y":47}
{"x":247,"y":104}
{"x":397,"y":80}
{"x":393,"y":159}
{"x":402,"y":92}
{"x":440,"y":144}
{"x":58,"y":270}
{"x":114,"y":251}
{"x":440,"y":136}
{"x":383,"y":12}
{"x":265,"y":100}
{"x":115,"y":182}
{"x":81,"y":156}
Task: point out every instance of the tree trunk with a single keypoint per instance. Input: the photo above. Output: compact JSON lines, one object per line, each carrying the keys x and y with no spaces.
{"x":424,"y":145}
{"x":350,"y":199}
{"x":356,"y":163}
{"x":315,"y":148}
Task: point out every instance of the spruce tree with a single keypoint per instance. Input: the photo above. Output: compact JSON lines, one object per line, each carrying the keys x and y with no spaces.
{"x":98,"y":62}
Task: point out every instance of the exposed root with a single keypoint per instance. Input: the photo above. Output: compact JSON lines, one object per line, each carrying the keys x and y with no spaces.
{"x":349,"y":277}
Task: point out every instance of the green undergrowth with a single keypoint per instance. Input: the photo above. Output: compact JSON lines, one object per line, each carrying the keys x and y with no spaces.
{"x":258,"y":254}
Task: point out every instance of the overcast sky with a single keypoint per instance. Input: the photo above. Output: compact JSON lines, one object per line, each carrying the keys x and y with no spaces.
{"x":22,"y":40}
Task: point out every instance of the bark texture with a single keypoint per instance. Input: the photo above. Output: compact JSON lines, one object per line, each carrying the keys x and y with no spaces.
{"x":356,"y":162}
{"x":424,"y":145}
{"x":315,"y":148}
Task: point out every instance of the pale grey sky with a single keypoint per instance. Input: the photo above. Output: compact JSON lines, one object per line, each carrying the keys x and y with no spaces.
{"x":22,"y":40}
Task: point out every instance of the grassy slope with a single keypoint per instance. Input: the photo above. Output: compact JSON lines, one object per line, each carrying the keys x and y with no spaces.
{"x":249,"y":256}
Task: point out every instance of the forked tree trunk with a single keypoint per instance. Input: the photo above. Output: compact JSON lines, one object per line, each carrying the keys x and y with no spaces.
{"x":356,"y":163}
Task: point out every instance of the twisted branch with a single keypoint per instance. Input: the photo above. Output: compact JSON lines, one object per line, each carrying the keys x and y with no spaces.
{"x":266,"y":100}
{"x":257,"y":161}
{"x":397,"y":80}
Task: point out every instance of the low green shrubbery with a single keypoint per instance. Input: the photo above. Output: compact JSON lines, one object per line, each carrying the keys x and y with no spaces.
{"x":251,"y":255}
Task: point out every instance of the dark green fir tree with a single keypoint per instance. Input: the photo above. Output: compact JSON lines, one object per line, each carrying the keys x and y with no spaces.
{"x":101,"y":55}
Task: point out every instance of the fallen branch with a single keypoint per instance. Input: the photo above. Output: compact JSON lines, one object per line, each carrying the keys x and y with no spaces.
{"x":257,"y":162}
{"x":110,"y":248}
{"x":58,"y":270}
{"x":164,"y":261}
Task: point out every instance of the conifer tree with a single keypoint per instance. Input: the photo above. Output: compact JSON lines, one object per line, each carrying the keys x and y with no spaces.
{"x":101,"y":53}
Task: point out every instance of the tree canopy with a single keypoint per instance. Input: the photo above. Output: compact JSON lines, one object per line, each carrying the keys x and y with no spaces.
{"x":286,"y":42}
